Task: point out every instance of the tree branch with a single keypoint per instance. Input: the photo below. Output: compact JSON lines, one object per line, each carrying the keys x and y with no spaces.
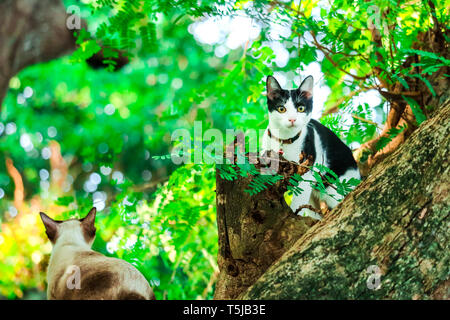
{"x":31,"y":31}
{"x":19,"y":190}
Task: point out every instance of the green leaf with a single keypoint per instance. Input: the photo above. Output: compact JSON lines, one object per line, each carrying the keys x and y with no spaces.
{"x":392,"y":133}
{"x":416,"y":109}
{"x":64,"y":201}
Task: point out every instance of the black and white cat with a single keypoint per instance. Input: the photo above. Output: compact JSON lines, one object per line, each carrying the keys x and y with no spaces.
{"x":291,"y":131}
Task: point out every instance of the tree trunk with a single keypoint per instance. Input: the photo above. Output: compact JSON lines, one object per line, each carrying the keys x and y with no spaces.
{"x":396,"y":220}
{"x":31,"y":31}
{"x":254,"y":231}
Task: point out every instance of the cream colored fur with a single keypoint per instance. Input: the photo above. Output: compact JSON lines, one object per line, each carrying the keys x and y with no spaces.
{"x":100,"y":277}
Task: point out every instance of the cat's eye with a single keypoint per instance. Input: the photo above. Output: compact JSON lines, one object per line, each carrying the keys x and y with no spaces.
{"x":301,"y":109}
{"x":281,"y":109}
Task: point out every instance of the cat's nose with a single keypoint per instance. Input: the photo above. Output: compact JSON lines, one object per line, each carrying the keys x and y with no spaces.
{"x":292,"y":121}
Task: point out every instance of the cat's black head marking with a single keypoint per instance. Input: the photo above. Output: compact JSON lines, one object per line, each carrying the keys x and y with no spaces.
{"x":277,"y":97}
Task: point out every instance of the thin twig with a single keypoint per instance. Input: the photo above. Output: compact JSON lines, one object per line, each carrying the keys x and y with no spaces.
{"x":327,"y":55}
{"x":339,"y":101}
{"x":366,"y":120}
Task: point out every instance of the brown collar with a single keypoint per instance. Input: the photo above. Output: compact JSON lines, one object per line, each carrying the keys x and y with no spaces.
{"x":284,"y":141}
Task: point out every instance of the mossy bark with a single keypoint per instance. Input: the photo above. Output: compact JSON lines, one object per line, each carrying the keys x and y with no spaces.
{"x":31,"y":31}
{"x":397,"y":219}
{"x":34,"y":31}
{"x":254,"y":231}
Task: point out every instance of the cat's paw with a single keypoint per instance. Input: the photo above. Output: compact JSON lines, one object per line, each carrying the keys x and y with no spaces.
{"x":309,"y":213}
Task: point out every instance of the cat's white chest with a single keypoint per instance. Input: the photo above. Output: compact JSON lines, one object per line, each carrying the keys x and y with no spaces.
{"x":290,"y":151}
{"x":293,"y":150}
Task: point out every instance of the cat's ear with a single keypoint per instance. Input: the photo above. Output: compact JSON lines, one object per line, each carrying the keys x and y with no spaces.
{"x":88,"y":225}
{"x":272,"y":87}
{"x":307,"y":87}
{"x":51,"y":227}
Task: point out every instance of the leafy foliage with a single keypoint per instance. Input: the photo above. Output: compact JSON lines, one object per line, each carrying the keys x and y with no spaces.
{"x":79,"y":137}
{"x":261,"y":182}
{"x":392,"y":133}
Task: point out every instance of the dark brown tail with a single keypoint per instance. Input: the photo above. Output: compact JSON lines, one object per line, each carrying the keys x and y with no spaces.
{"x":128,"y":295}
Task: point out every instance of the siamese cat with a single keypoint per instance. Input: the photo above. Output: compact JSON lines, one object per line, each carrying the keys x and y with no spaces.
{"x":76,"y":272}
{"x":291,"y":131}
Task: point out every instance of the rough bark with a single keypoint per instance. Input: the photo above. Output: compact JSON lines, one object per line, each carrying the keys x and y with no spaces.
{"x":397,"y":219}
{"x":31,"y":31}
{"x":254,"y":231}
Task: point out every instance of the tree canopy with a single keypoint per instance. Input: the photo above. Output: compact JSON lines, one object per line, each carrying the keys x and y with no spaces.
{"x":73,"y":136}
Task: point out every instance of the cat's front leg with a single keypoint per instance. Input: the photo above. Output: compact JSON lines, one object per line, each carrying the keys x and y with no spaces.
{"x":304,"y":198}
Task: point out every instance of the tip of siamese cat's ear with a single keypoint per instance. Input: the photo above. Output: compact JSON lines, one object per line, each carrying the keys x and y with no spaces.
{"x":91,"y":215}
{"x":93,"y":211}
{"x":51,"y":226}
{"x":88,"y":225}
{"x":45,"y":217}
